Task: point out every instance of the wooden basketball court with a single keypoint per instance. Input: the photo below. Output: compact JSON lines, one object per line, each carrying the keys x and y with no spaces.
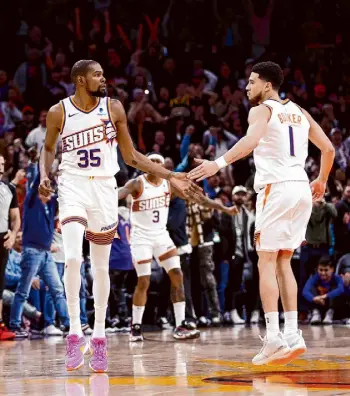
{"x":218,"y":363}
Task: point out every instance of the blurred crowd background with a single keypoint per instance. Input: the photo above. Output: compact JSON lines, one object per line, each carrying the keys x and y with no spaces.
{"x":180,"y":69}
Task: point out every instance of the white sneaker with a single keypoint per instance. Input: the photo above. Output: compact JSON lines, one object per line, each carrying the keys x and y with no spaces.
{"x":236,"y":319}
{"x":347,"y":321}
{"x":328,"y":319}
{"x":52,"y":331}
{"x":275,"y":351}
{"x":296,"y":344}
{"x":86,"y":329}
{"x":316,"y":317}
{"x":255,"y":317}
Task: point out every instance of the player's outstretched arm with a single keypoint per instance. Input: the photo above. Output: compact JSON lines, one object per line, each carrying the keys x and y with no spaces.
{"x":54,"y":123}
{"x":321,"y":141}
{"x":179,"y":182}
{"x":132,"y":187}
{"x":212,"y":204}
{"x":258,"y":118}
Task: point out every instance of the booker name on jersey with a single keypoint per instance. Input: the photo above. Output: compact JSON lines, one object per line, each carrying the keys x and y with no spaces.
{"x":282,"y":151}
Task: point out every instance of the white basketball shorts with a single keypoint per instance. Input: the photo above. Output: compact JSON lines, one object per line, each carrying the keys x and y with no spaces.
{"x":143,"y":249}
{"x":283,"y":211}
{"x":91,"y":201}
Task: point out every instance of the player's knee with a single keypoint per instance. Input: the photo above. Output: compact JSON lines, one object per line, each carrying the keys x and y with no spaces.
{"x":176,"y":277}
{"x":171,"y":264}
{"x":143,"y":283}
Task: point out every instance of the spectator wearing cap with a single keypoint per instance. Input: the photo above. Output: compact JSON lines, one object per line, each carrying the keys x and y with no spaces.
{"x":27,"y":123}
{"x":236,"y":234}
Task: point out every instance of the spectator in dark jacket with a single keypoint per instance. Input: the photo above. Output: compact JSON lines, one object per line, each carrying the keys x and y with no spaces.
{"x":321,"y":292}
{"x":342,"y":225}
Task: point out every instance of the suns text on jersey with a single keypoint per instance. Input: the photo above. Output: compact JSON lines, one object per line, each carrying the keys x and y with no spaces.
{"x":83,"y":138}
{"x":289,"y":118}
{"x":154,"y":203}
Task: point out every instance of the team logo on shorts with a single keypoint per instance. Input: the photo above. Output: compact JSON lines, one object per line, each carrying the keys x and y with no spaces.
{"x":107,"y":228}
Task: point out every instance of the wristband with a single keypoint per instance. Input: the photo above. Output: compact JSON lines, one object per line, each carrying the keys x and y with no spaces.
{"x":221,"y":163}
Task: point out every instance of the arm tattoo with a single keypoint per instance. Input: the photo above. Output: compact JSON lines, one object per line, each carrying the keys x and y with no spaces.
{"x":134,"y":162}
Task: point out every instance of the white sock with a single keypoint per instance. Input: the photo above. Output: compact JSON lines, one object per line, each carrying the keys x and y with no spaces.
{"x":72,"y":235}
{"x":179,"y":311}
{"x":290,"y":322}
{"x":137,"y":314}
{"x":272,"y":324}
{"x":99,"y":255}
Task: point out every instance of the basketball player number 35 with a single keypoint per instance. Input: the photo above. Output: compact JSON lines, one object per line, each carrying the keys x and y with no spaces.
{"x":89,"y":158}
{"x":291,"y":141}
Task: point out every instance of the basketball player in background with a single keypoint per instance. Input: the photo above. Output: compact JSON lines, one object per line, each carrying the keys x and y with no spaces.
{"x":278,"y":133}
{"x":91,"y":125}
{"x":150,"y":238}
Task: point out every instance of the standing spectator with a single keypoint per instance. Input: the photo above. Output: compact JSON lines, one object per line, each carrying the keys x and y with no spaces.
{"x":9,"y":217}
{"x":342,"y":225}
{"x":321,"y":291}
{"x":27,"y":123}
{"x":236,"y":235}
{"x":342,"y":154}
{"x":10,"y":115}
{"x":38,"y":228}
{"x":66,"y":81}
{"x":36,"y":137}
{"x":318,"y":241}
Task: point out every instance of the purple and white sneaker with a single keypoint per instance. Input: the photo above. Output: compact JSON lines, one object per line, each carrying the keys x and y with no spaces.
{"x":76,"y":347}
{"x":98,"y":350}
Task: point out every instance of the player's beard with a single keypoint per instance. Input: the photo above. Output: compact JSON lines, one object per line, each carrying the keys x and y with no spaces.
{"x":100,"y":93}
{"x":256,"y":99}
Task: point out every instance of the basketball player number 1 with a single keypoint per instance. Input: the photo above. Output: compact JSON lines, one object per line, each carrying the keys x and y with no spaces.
{"x":291,"y":141}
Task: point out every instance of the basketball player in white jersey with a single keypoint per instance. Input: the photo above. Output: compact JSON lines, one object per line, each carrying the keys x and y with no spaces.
{"x":278,"y":133}
{"x":91,"y":125}
{"x":149,"y":238}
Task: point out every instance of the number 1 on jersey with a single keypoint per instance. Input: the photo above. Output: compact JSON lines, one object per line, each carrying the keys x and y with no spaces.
{"x":291,"y":141}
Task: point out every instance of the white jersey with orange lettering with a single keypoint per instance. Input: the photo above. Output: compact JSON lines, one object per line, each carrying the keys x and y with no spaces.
{"x":281,"y":153}
{"x":149,"y":213}
{"x":284,"y":201}
{"x":89,"y":140}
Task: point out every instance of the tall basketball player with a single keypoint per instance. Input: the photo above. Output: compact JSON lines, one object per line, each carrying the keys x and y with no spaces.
{"x":91,"y":125}
{"x":278,"y":133}
{"x":150,"y":238}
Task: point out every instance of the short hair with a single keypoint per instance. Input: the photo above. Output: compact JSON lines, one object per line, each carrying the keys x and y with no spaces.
{"x":80,"y":68}
{"x":270,"y":72}
{"x":325,"y":261}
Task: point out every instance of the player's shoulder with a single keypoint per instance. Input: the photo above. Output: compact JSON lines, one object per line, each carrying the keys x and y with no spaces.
{"x":260,"y":112}
{"x":56,"y":113}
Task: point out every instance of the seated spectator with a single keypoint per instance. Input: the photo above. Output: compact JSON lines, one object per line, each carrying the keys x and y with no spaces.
{"x":27,"y":123}
{"x":322,"y":290}
{"x":343,"y":269}
{"x":10,"y":115}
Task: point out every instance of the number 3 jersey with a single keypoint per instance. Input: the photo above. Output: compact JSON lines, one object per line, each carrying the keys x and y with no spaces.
{"x":149,"y":210}
{"x":281,"y":153}
{"x":89,"y":140}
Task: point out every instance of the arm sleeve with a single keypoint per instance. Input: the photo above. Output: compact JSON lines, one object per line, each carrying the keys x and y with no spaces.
{"x":339,"y":290}
{"x":14,"y":201}
{"x":307,"y":291}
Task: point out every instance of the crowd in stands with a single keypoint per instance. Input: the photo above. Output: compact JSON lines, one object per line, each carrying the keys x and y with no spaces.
{"x":180,"y":70}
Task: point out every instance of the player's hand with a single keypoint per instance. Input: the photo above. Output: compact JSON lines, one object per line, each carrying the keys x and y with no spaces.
{"x":318,"y":189}
{"x":45,"y":188}
{"x":231,"y":210}
{"x":183,"y":187}
{"x":9,"y":238}
{"x":204,"y":170}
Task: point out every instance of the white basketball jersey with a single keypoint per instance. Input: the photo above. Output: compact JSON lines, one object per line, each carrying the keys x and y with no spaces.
{"x":282,"y":151}
{"x":149,"y":213}
{"x":89,"y":140}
